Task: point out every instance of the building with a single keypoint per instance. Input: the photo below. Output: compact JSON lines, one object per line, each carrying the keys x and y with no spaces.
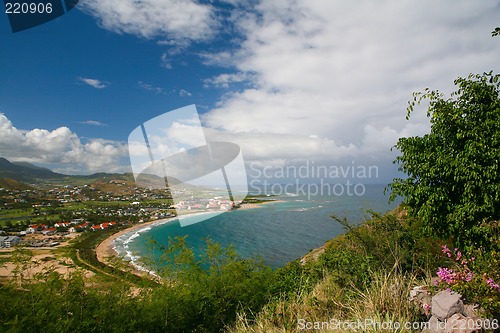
{"x":49,"y":231}
{"x":9,"y":241}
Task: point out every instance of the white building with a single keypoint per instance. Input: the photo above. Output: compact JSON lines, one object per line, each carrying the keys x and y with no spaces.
{"x":9,"y":241}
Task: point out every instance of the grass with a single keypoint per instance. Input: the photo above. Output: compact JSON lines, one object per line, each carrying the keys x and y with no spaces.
{"x":83,"y":254}
{"x":330,"y":306}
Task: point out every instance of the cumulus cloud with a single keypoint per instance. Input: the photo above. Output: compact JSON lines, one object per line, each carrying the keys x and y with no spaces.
{"x":176,"y":20}
{"x":61,"y":148}
{"x":98,"y":84}
{"x":331,"y":79}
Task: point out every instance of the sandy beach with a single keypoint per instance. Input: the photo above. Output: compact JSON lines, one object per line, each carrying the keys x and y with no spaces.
{"x":105,"y":249}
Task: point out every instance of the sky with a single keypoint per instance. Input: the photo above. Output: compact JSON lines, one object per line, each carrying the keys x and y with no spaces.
{"x":290,"y":81}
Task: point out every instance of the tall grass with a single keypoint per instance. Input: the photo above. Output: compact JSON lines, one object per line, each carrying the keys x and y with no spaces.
{"x":383,"y":301}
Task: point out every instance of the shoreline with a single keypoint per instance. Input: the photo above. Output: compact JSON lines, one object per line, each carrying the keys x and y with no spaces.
{"x":105,"y":250}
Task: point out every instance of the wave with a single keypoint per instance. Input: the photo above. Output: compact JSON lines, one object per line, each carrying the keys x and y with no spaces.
{"x":304,"y":209}
{"x":121,"y":244}
{"x":299,"y":209}
{"x":135,"y":260}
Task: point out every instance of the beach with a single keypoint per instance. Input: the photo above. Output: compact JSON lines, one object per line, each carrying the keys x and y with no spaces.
{"x":105,"y":250}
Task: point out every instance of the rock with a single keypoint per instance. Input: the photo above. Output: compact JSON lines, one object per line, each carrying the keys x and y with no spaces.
{"x":471,"y":310}
{"x":434,"y":326}
{"x":445,"y":304}
{"x":458,"y":323}
{"x":416,"y":292}
{"x":420,"y":295}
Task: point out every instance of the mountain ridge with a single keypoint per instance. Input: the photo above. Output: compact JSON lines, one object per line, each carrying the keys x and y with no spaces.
{"x":28,"y":173}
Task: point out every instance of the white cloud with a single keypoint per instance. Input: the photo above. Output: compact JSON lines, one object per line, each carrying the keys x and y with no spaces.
{"x":93,"y":123}
{"x":332,"y":78}
{"x":60,"y":147}
{"x":98,"y":84}
{"x":184,"y":93}
{"x":220,"y":59}
{"x":150,"y":87}
{"x":226,"y":80}
{"x":177,"y":20}
{"x":165,"y":61}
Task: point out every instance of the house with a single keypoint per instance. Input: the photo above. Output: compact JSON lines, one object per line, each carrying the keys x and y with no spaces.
{"x":106,"y":225}
{"x":76,"y":221}
{"x":35,"y":227}
{"x":49,"y":231}
{"x":9,"y":241}
{"x":80,"y":227}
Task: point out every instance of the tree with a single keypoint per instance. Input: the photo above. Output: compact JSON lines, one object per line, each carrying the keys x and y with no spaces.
{"x":453,"y":173}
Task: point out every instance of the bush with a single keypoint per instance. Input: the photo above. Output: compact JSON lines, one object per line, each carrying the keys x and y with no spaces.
{"x":454,"y":171}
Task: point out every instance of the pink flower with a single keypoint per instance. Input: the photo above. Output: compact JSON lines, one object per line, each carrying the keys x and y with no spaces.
{"x":446,"y":275}
{"x":469,"y":276}
{"x":427,"y":308}
{"x":446,"y":250}
{"x":459,"y":255}
{"x":490,"y":282}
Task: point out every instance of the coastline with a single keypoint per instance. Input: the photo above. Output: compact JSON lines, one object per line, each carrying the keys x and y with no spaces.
{"x":106,"y":251}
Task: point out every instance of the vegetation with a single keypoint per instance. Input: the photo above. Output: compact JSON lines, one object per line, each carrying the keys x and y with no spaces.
{"x":202,"y":295}
{"x":454,"y":171}
{"x":83,"y":254}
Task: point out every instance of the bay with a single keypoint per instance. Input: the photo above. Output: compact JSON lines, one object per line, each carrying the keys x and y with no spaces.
{"x":278,"y":232}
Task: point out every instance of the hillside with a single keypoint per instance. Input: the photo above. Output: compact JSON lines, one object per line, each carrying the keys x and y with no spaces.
{"x":32,"y":174}
{"x":11,"y":184}
{"x":25,"y":172}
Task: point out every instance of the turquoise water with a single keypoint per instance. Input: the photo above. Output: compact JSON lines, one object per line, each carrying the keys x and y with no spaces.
{"x":278,"y":232}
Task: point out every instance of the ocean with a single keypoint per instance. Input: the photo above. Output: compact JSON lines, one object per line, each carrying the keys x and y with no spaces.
{"x":277,"y":232}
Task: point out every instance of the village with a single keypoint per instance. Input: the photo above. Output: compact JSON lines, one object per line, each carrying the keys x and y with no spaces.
{"x":47,"y":217}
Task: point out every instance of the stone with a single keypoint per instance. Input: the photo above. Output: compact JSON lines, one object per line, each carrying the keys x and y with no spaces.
{"x":420,"y":296}
{"x":458,"y":323}
{"x":445,"y":304}
{"x":471,"y":310}
{"x":416,"y":292}
{"x":434,"y":326}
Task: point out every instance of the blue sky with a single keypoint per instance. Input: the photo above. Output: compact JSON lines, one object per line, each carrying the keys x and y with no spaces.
{"x":45,"y":69}
{"x":289,"y":81}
